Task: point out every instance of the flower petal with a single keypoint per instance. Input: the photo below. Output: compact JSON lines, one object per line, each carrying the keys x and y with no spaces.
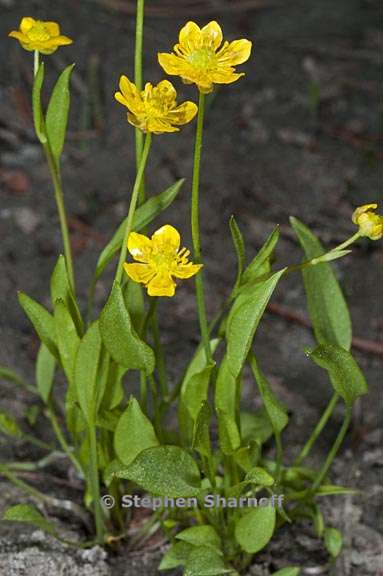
{"x":139,"y":246}
{"x":53,"y":28}
{"x":361,"y":210}
{"x":212,"y":36}
{"x":166,"y":238}
{"x":26,"y":24}
{"x":190,"y":37}
{"x":166,"y":91}
{"x":19,"y":36}
{"x":183,"y":114}
{"x":172,"y":64}
{"x":159,"y":126}
{"x":162,"y":285}
{"x":141,"y":273}
{"x":62,"y":40}
{"x":187,"y":270}
{"x":225,"y":76}
{"x":237,"y":52}
{"x":130,"y":94}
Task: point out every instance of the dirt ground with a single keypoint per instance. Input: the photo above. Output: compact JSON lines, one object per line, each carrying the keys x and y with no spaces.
{"x":301,"y":134}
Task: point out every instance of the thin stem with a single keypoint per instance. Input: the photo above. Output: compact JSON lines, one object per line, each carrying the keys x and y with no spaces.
{"x":95,"y":483}
{"x":36,"y":442}
{"x":333,"y":452}
{"x":56,"y":178}
{"x":61,"y":440}
{"x":159,"y":352}
{"x":278,"y":443}
{"x":138,"y":81}
{"x":132,"y":206}
{"x":36,"y":62}
{"x":346,"y":243}
{"x":317,"y":430}
{"x":196,"y":230}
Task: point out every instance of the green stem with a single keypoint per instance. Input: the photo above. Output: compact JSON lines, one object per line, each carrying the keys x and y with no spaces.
{"x":36,"y":62}
{"x":317,"y":430}
{"x":39,"y":443}
{"x":160,"y":358}
{"x":196,"y":229}
{"x":333,"y":452}
{"x":61,"y":440}
{"x":95,"y":484}
{"x":278,"y":443}
{"x":138,"y":82}
{"x":347,"y":243}
{"x":56,"y":178}
{"x":132,"y":206}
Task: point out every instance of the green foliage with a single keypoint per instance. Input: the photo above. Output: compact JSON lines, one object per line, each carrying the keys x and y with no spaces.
{"x":327,"y":306}
{"x":62,"y":290}
{"x":275,"y":411}
{"x":289,"y":571}
{"x":30,"y":515}
{"x":42,"y":321}
{"x":45,"y":371}
{"x":38,"y":117}
{"x":255,"y":529}
{"x":165,"y":471}
{"x":87,"y":382}
{"x":120,"y":338}
{"x":9,"y":426}
{"x":57,"y":113}
{"x":345,"y":374}
{"x":333,"y":541}
{"x":239,"y":245}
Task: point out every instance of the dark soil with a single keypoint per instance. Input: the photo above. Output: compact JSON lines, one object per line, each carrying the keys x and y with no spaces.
{"x":300,"y":134}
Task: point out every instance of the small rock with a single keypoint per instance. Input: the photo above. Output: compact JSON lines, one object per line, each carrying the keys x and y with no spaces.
{"x":26,"y":219}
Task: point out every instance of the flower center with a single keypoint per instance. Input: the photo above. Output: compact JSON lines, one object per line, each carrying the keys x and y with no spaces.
{"x":204,"y":58}
{"x":38,"y":33}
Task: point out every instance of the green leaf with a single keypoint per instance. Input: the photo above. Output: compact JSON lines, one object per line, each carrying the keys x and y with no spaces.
{"x":62,"y":290}
{"x":194,"y":390}
{"x":326,"y":304}
{"x":86,"y":372}
{"x":256,"y":426}
{"x":239,"y":246}
{"x":114,"y":391}
{"x":333,"y":540}
{"x":45,"y":371}
{"x":120,"y":338}
{"x":57,"y":113}
{"x":201,"y":434}
{"x":255,"y":529}
{"x":345,"y":374}
{"x":38,"y":117}
{"x":68,"y":341}
{"x":30,"y":515}
{"x":165,"y":471}
{"x":275,"y":410}
{"x":244,"y":318}
{"x":134,"y":433}
{"x":259,"y":476}
{"x":334,"y":490}
{"x":288,"y":571}
{"x":135,"y":303}
{"x":9,"y":426}
{"x":42,"y":321}
{"x":177,"y":555}
{"x":142,"y":217}
{"x":248,"y":456}
{"x":11,"y":376}
{"x":204,"y":535}
{"x":225,"y":404}
{"x":205,"y":561}
{"x":257,"y":265}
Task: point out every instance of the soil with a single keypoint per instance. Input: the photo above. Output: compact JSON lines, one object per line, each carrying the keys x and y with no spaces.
{"x":300,"y":134}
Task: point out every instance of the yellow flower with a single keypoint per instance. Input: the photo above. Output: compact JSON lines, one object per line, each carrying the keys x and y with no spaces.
{"x":38,"y":35}
{"x":201,"y":58}
{"x":370,"y":224}
{"x":160,"y":259}
{"x":154,"y":109}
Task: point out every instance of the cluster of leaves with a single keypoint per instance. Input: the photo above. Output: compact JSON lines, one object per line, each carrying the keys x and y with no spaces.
{"x":126,"y":442}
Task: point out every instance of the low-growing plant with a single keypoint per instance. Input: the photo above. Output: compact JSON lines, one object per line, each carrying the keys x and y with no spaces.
{"x":218,"y":490}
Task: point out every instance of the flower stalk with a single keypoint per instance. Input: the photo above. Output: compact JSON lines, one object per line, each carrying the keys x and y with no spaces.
{"x":195,"y":228}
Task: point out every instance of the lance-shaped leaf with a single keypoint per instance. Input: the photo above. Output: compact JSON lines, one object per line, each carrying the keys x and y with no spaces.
{"x":194,"y":390}
{"x":239,"y":246}
{"x":326,"y":304}
{"x":345,"y":374}
{"x":57,"y":113}
{"x":61,"y":290}
{"x":38,"y":117}
{"x":67,"y":338}
{"x":120,"y":338}
{"x":226,"y":390}
{"x":275,"y":411}
{"x":86,"y":373}
{"x":45,"y":371}
{"x":205,"y":561}
{"x":201,"y":433}
{"x":30,"y":515}
{"x":165,"y":471}
{"x":142,"y":217}
{"x":134,"y":433}
{"x":255,"y":529}
{"x":262,"y":259}
{"x":42,"y":321}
